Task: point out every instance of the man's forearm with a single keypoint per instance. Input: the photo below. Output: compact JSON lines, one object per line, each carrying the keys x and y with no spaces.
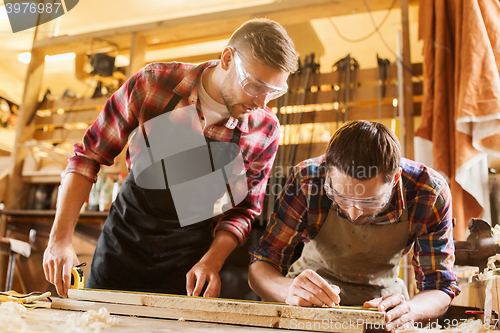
{"x":429,"y":304}
{"x":267,"y":282}
{"x":74,"y":192}
{"x":224,"y":243}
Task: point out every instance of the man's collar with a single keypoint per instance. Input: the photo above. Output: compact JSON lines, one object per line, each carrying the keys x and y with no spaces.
{"x":192,"y":77}
{"x":186,"y":86}
{"x":231,"y":123}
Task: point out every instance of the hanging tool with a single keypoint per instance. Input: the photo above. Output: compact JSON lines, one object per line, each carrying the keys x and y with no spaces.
{"x":383,"y":75}
{"x":288,"y":129}
{"x":317,"y":74}
{"x":347,"y":69}
{"x":308,"y":64}
{"x":273,"y":174}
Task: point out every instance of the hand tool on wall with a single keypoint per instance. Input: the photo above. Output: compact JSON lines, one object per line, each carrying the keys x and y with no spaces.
{"x":290,"y":118}
{"x":382,"y":77}
{"x":347,"y":69}
{"x":308,"y":64}
{"x":317,"y":74}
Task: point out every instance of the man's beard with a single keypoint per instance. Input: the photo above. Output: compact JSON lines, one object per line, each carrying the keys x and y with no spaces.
{"x":229,"y":98}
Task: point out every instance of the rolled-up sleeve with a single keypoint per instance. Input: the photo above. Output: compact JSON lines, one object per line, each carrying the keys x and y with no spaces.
{"x":238,"y":220}
{"x":107,"y":137}
{"x":434,"y":254}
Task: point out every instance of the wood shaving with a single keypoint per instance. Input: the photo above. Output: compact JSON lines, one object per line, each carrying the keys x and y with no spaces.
{"x":489,"y":271}
{"x":90,"y":321}
{"x":11,"y":317}
{"x":496,"y":234}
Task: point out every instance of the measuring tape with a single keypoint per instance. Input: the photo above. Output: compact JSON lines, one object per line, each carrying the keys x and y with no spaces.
{"x":77,"y":278}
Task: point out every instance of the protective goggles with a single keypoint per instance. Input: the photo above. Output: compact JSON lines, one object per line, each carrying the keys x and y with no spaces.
{"x":254,"y":87}
{"x":364,"y":204}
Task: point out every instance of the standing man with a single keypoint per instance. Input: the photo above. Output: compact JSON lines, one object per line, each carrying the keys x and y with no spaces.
{"x":142,"y":246}
{"x":359,"y":209}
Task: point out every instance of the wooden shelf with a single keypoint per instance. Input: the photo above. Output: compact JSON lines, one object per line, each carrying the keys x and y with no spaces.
{"x":47,"y":216}
{"x":206,"y":27}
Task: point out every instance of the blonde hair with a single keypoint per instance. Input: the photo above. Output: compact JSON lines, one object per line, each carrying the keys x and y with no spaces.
{"x":268,"y":42}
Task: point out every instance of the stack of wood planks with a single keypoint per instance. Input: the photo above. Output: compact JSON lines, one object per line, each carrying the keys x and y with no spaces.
{"x":213,"y":310}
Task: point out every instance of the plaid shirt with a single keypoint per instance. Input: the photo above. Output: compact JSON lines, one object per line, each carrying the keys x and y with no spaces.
{"x":303,"y":206}
{"x":144,"y":97}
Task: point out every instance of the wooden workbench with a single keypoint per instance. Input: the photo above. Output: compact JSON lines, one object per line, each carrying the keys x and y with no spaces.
{"x":51,"y":320}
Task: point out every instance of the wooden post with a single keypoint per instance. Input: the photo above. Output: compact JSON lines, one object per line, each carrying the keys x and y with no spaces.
{"x":24,"y":131}
{"x":407,"y":82}
{"x":3,"y":258}
{"x":137,"y":54}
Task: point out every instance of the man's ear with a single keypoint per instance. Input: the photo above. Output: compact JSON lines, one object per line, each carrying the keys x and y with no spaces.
{"x":226,"y":58}
{"x":397,"y":176}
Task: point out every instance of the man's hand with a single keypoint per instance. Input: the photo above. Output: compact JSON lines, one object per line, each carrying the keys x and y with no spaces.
{"x":200,"y":273}
{"x":310,"y":289}
{"x":58,"y":260}
{"x":399,"y":312}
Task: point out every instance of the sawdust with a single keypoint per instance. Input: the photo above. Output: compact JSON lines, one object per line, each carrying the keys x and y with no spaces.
{"x":489,"y":271}
{"x":90,"y":321}
{"x":11,"y":317}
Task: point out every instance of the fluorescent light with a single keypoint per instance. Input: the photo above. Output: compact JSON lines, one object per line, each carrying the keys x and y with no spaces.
{"x":122,"y":61}
{"x":25,"y":57}
{"x":64,"y":56}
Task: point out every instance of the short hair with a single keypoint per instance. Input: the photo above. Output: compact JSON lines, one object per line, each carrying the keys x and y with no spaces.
{"x":360,"y":147}
{"x":268,"y":42}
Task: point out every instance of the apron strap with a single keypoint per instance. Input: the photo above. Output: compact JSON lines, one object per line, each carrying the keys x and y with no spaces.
{"x":169,"y":107}
{"x":172,"y":103}
{"x":236,"y":134}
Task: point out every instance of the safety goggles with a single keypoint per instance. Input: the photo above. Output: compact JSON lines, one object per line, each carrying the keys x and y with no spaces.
{"x":254,"y":87}
{"x":365,"y":204}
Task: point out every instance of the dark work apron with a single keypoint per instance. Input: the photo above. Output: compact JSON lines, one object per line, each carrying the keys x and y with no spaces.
{"x":142,"y":246}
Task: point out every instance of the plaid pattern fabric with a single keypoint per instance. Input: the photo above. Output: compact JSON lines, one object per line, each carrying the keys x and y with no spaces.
{"x":143,"y":97}
{"x":302,"y":208}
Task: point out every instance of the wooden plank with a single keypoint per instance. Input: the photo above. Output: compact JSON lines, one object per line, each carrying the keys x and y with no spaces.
{"x":54,"y":321}
{"x":355,"y":112}
{"x":172,"y":30}
{"x":407,"y":83}
{"x":60,"y":134}
{"x":364,"y":76}
{"x":74,"y":104}
{"x":196,"y":59}
{"x":137,"y":54}
{"x":70,"y":117}
{"x":260,"y":314}
{"x":209,"y":26}
{"x":363,"y":93}
{"x":473,"y":294}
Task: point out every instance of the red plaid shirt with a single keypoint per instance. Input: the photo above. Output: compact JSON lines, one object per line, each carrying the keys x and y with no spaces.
{"x":144,"y":97}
